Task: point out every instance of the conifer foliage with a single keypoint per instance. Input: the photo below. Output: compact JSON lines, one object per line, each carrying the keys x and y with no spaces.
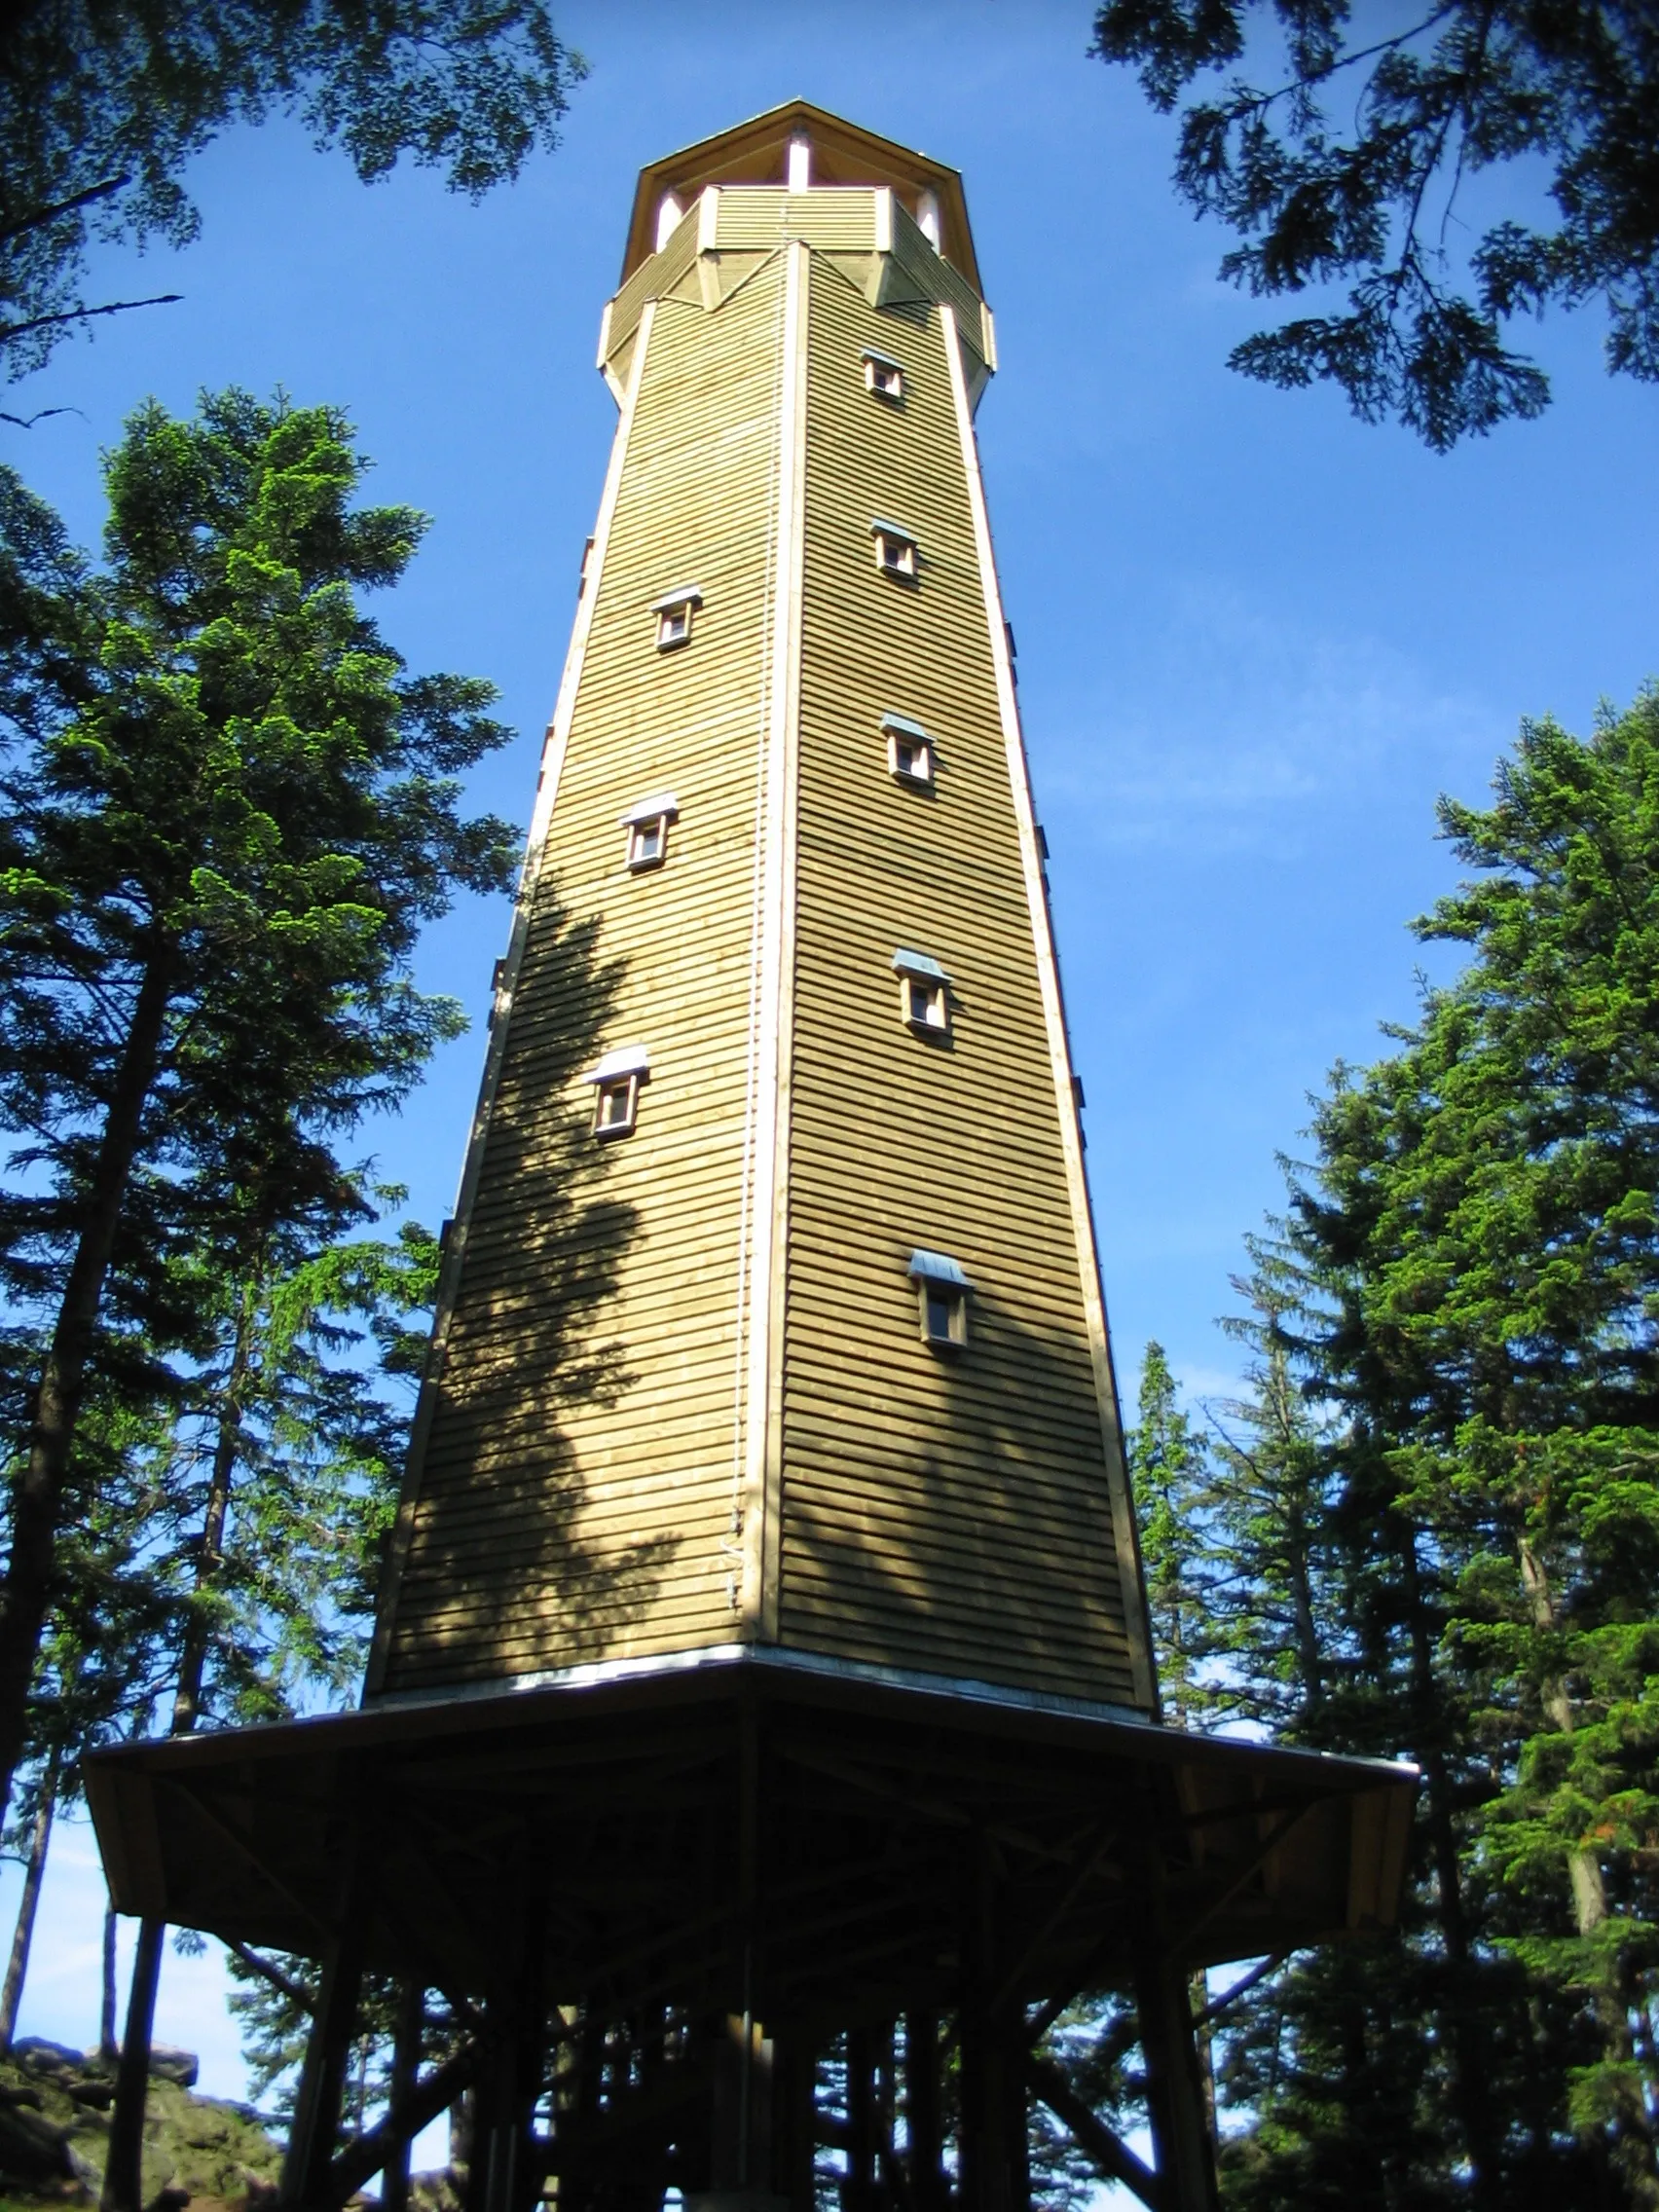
{"x":1433,"y":1530}
{"x":226,"y":811}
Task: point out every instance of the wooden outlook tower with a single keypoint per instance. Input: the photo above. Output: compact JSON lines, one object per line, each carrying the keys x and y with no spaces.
{"x":761,"y":1714}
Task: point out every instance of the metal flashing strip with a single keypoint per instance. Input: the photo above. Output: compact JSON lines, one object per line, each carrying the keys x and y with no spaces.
{"x":687,"y":594}
{"x":921,"y":964}
{"x":905,"y":726}
{"x":938,"y":1267}
{"x":626,"y":1059}
{"x":660,"y":806}
{"x":781,"y":1659}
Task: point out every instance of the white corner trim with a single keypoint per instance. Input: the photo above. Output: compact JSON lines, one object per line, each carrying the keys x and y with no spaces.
{"x":1127,"y":1541}
{"x":764,"y":1411}
{"x":552,"y":764}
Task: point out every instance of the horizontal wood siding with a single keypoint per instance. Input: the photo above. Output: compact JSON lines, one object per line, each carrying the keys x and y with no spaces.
{"x":937,"y":1514}
{"x":652,"y":279}
{"x":915,"y":254}
{"x":576,"y":1492}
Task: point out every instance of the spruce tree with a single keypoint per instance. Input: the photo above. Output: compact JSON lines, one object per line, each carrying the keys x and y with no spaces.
{"x":226,"y":811}
{"x":1476,"y":1274}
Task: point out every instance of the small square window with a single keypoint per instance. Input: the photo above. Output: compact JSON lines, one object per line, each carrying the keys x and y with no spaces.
{"x":911,"y":761}
{"x":925,"y":1003}
{"x":924,"y":993}
{"x":943,"y":1291}
{"x":910,"y":752}
{"x":647,"y":824}
{"x":884,"y":376}
{"x":674,"y":613}
{"x":894,"y":554}
{"x":615,"y":1106}
{"x":647,"y":842}
{"x":616,"y":1082}
{"x":944,"y":1316}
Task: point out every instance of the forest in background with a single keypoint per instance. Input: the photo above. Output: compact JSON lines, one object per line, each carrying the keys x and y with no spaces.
{"x":1429,"y":1529}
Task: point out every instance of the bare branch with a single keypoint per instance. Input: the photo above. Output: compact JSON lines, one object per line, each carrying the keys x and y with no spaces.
{"x":39,"y":216}
{"x":10,"y":330}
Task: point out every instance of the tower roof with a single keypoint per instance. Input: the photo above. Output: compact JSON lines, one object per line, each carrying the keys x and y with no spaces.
{"x":757,"y":152}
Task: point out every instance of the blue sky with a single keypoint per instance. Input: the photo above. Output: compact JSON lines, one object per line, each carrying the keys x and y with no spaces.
{"x":1256,"y":638}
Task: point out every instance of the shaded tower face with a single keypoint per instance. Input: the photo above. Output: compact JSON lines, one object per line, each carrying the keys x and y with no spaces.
{"x":771,"y":1311}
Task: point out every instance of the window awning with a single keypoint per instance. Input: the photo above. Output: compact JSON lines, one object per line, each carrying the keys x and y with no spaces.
{"x":652,"y":809}
{"x":627,"y":1059}
{"x":938,"y":1267}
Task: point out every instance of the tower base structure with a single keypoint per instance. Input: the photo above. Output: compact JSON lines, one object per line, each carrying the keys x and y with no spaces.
{"x":680,"y":1909}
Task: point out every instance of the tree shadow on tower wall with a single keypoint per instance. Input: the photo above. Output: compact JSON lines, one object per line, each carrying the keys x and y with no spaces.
{"x":500,"y":1578}
{"x":992,"y":1553}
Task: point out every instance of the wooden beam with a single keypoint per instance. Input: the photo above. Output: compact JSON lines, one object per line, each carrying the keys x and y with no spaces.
{"x":1110,"y":2153}
{"x":405,"y":2072}
{"x":1228,"y":1998}
{"x":364,"y":2158}
{"x":1089,"y":1863}
{"x":1178,"y":1946}
{"x":239,"y":1844}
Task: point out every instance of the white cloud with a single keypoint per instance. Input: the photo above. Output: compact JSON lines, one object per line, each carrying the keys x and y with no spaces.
{"x":1249,"y":725}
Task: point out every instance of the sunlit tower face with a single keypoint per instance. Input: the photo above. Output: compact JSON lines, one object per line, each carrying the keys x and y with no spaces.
{"x":681,"y":1400}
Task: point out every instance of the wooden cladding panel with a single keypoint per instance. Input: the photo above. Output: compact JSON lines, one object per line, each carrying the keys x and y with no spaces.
{"x":941,"y":1514}
{"x":835,"y":220}
{"x":914,"y":254}
{"x":577,"y":1489}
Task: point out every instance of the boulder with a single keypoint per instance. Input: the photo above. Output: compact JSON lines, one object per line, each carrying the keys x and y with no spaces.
{"x":38,"y":2054}
{"x":33,"y":2150}
{"x":170,"y":2064}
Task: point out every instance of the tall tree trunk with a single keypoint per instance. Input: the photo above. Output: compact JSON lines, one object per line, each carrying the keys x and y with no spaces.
{"x":124,"y":2170}
{"x":211,"y":1559}
{"x":133,"y":2082}
{"x":1634,"y":2150}
{"x":25,"y":1595}
{"x":109,"y":2051}
{"x":18,"y":1965}
{"x":1470,"y":2084}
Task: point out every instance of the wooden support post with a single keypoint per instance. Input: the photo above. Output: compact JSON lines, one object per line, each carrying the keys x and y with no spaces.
{"x":744,"y":2076}
{"x":506,"y":2176}
{"x":795,"y":2117}
{"x":123,"y":2167}
{"x":890,"y":2181}
{"x":858,"y":2190}
{"x":923,"y":2123}
{"x":322,"y":2077}
{"x":742,"y":2150}
{"x":988,"y":2054}
{"x":405,"y":2066}
{"x":1180,"y":2135}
